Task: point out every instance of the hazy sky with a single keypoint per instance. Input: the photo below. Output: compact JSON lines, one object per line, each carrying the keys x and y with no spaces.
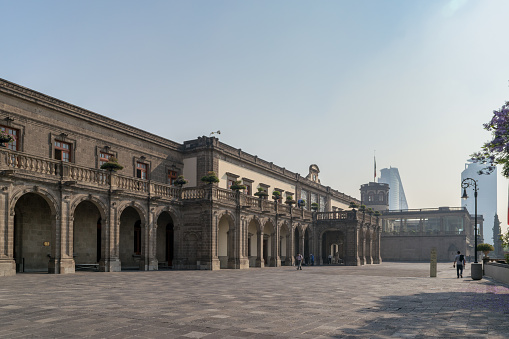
{"x":294,"y":82}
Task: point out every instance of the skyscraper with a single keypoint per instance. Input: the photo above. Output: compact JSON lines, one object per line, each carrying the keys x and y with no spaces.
{"x":486,"y":197}
{"x":397,"y":198}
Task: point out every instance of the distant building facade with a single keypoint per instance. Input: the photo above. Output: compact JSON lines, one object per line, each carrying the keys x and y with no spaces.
{"x":486,"y":198}
{"x":61,"y":211}
{"x":409,"y":235}
{"x":397,"y":198}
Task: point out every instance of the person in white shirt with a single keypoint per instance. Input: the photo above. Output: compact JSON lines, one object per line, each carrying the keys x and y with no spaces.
{"x":459,"y":262}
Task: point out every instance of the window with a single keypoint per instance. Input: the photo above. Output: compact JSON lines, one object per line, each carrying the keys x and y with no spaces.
{"x":249,"y":186}
{"x":62,"y":151}
{"x":104,"y":157}
{"x":172,"y":176}
{"x":141,"y":170}
{"x":230,"y":183}
{"x":370,"y":197}
{"x":248,"y":189}
{"x":14,"y":133}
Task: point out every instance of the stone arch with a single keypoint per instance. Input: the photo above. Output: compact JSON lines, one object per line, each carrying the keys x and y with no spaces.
{"x":89,"y":219}
{"x":269,"y":242}
{"x":332,"y":242}
{"x":35,"y":213}
{"x":137,"y":206}
{"x":257,"y":220}
{"x":101,"y":205}
{"x":222,"y":213}
{"x":171,"y":210}
{"x":131,"y":227}
{"x":166,"y":237}
{"x":254,"y":229}
{"x":225,"y":228}
{"x":46,"y":194}
{"x":285,"y":237}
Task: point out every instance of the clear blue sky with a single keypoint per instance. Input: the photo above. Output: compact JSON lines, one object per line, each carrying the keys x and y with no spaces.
{"x":294,"y":82}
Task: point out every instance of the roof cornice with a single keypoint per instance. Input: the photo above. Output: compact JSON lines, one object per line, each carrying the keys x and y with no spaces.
{"x":78,"y":112}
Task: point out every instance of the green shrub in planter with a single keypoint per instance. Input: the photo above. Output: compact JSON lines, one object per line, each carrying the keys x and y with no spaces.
{"x":180,"y":181}
{"x":485,"y":248}
{"x":353,"y":205}
{"x":237,"y":186}
{"x":4,"y":137}
{"x":289,"y":200}
{"x":210,"y":178}
{"x":261,"y":193}
{"x":112,"y":165}
{"x":377,"y":214}
{"x":276,"y":195}
{"x":314,"y":206}
{"x":362,"y":208}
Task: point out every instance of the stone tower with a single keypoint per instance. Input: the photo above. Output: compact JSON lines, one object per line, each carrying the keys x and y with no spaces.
{"x":375,"y":195}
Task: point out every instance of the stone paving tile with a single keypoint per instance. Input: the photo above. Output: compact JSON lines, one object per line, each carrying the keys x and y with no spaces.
{"x":392,"y":300}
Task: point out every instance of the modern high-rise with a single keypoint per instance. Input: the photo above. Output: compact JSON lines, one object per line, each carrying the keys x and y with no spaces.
{"x":397,"y":198}
{"x":486,"y":196}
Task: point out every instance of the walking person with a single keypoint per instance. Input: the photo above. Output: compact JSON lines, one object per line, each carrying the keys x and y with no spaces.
{"x":299,"y":261}
{"x":459,"y":261}
{"x":312,"y":259}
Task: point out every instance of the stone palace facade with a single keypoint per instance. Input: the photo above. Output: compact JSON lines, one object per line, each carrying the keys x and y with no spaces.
{"x":61,"y":212}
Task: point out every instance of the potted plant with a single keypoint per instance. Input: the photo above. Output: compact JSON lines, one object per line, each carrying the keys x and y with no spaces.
{"x":353,"y":205}
{"x":5,"y":138}
{"x":180,"y":181}
{"x":485,"y":248}
{"x":112,"y":165}
{"x":377,"y":214}
{"x":370,"y":211}
{"x":276,"y":195}
{"x":210,"y":178}
{"x":289,"y":200}
{"x":237,"y":186}
{"x":261,"y":193}
{"x":314,"y":206}
{"x":362,"y":208}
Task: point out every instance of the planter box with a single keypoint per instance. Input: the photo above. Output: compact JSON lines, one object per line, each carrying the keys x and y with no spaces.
{"x":499,"y":272}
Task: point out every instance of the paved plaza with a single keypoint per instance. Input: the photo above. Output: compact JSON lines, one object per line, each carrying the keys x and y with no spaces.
{"x":374,"y":301}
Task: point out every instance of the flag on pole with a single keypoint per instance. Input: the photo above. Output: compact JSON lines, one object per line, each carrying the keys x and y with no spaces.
{"x":374,"y":160}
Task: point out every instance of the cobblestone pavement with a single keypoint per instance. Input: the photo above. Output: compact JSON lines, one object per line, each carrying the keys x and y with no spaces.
{"x":375,"y":301}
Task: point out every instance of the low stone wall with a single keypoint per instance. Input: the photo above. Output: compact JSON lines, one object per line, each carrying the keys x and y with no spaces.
{"x":499,"y":272}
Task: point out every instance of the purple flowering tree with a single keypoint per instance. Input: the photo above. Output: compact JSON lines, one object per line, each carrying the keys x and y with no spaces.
{"x":496,"y":151}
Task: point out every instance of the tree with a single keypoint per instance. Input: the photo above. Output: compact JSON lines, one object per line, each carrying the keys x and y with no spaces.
{"x":496,"y":151}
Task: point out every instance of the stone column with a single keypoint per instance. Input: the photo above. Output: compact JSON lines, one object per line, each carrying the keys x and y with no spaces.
{"x":7,"y":263}
{"x":110,"y":261}
{"x":369,"y":247}
{"x":61,"y":260}
{"x":275,"y":259}
{"x":259,"y":250}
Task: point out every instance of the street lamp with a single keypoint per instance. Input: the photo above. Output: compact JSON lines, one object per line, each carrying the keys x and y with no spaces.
{"x":476,"y":268}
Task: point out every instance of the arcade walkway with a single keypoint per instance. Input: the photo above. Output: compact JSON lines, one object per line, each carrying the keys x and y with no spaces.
{"x":375,"y":301}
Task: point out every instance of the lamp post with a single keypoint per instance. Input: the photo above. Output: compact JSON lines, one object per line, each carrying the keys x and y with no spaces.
{"x":476,"y":268}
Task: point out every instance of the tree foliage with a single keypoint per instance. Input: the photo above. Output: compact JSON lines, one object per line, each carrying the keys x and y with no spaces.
{"x":496,"y":151}
{"x":485,"y":247}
